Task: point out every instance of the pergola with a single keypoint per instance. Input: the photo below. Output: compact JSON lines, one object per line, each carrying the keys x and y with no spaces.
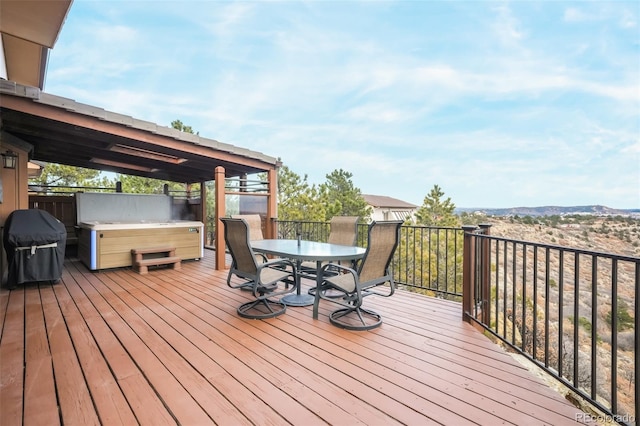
{"x":50,"y":128}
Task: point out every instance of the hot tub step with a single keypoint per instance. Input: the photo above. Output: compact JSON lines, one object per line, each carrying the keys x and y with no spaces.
{"x":155,"y":256}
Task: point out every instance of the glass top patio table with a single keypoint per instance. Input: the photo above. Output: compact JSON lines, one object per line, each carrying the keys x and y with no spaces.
{"x":307,"y":250}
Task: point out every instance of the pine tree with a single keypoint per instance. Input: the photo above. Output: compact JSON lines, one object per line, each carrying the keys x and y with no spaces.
{"x":341,"y":197}
{"x":297,"y":199}
{"x":435,"y":211}
{"x":436,"y":255}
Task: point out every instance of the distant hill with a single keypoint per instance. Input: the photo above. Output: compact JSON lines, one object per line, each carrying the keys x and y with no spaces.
{"x":596,"y":210}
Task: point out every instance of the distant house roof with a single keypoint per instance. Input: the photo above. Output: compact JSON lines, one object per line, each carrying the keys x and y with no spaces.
{"x":382,"y":201}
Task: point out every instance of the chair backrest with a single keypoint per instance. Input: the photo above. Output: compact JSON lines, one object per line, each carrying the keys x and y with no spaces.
{"x":255,"y":225}
{"x":343,"y":230}
{"x":383,"y":240}
{"x":236,"y":235}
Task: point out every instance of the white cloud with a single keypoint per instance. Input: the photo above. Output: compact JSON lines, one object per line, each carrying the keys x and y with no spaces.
{"x":573,"y":14}
{"x":506,"y":26}
{"x":628,"y":20}
{"x":516,"y":105}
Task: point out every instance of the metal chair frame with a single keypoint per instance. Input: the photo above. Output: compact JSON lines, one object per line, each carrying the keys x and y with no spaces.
{"x":260,"y":278}
{"x":353,"y":285}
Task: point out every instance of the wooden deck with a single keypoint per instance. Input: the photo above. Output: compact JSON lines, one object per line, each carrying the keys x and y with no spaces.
{"x":115,"y":347}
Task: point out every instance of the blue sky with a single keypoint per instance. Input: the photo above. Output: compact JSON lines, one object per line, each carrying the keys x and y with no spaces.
{"x":501,"y":104}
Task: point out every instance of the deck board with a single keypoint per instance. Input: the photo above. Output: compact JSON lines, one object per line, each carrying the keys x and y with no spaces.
{"x":109,"y":401}
{"x":287,"y":361}
{"x":12,"y":360}
{"x":145,"y":404}
{"x":116,"y":347}
{"x":219,"y":346}
{"x":39,"y":383}
{"x":201,"y":353}
{"x":74,"y":397}
{"x":138,"y":340}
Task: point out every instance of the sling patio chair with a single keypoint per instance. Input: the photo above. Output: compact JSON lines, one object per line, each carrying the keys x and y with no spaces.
{"x":343,"y":230}
{"x":255,"y":225}
{"x":255,"y":233}
{"x":262,"y":279}
{"x":367,"y":279}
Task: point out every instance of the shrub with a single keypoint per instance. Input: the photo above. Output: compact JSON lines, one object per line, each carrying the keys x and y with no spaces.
{"x":585,"y":323}
{"x":625,"y":320}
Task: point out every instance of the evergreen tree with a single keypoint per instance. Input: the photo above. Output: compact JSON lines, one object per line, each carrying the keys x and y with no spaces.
{"x":297,"y":200}
{"x":178,"y":125}
{"x":435,"y":211}
{"x":341,"y":197}
{"x":436,"y":254}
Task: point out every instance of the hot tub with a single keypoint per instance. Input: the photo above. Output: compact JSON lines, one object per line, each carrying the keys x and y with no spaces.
{"x":105,"y":244}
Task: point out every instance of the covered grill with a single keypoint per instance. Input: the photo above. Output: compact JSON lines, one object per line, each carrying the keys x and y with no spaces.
{"x":35,"y":242}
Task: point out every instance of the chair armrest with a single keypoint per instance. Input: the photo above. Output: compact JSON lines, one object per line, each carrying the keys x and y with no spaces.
{"x":287,"y":270}
{"x":370,"y":286}
{"x":339,"y":268}
{"x":279,"y":264}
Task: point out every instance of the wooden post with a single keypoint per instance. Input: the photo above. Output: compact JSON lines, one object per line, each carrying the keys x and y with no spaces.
{"x":468,"y":271}
{"x":272,"y":204}
{"x":203,"y":210}
{"x":220,"y":211}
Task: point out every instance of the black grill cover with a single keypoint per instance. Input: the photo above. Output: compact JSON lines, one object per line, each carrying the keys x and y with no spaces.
{"x":25,"y":231}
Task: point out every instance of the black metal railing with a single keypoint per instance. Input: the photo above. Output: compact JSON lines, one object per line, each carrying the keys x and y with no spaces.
{"x":427,"y":260}
{"x":70,"y":190}
{"x":308,"y":230}
{"x":573,"y":312}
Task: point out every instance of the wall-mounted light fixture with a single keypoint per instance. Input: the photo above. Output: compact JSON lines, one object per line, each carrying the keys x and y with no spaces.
{"x":9,"y":160}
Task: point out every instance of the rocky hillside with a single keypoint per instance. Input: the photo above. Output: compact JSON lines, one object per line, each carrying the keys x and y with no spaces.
{"x":592,"y":313}
{"x":613,"y":235}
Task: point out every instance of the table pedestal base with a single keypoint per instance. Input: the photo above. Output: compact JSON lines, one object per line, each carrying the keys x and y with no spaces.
{"x":298,"y":299}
